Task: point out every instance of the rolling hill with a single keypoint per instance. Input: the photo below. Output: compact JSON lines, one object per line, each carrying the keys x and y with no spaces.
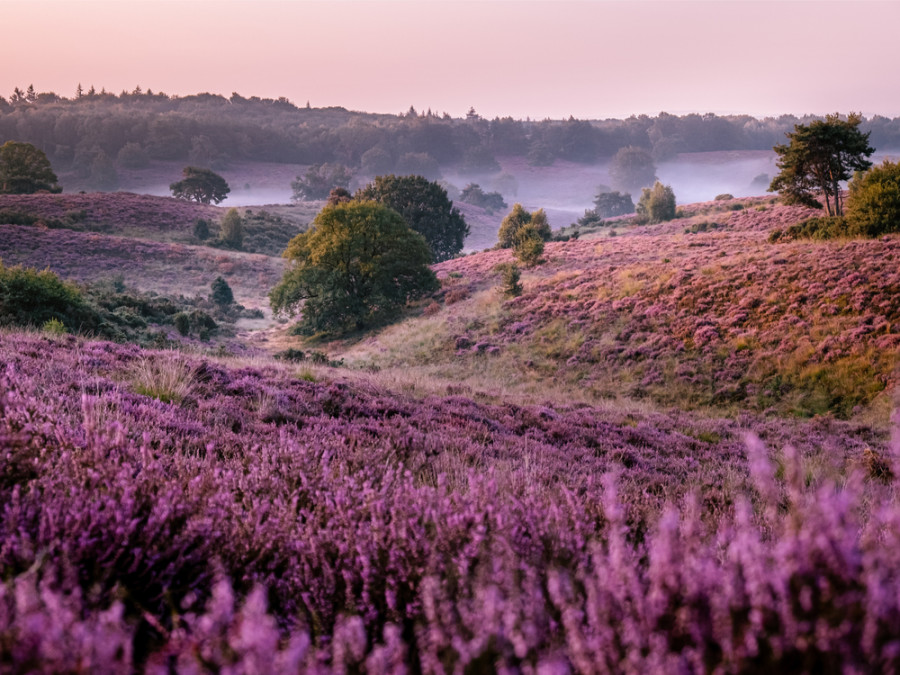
{"x":672,"y":452}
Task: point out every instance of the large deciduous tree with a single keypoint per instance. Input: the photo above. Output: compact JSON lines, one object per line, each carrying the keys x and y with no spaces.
{"x":357,"y":266}
{"x":200,"y":185}
{"x":818,"y":157}
{"x":25,"y":169}
{"x":425,"y":207}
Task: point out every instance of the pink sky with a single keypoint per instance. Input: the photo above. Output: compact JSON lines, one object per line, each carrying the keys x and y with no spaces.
{"x":590,"y":59}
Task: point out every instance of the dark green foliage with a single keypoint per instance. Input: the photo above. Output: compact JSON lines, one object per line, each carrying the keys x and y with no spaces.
{"x":657,"y":204}
{"x":201,"y":229}
{"x":13,"y":217}
{"x":517,"y":219}
{"x":292,"y":355}
{"x":529,"y":246}
{"x":612,"y":204}
{"x":873,"y":206}
{"x":356,"y":267}
{"x":200,"y":185}
{"x":231,"y":231}
{"x":182,"y":323}
{"x":510,"y":275}
{"x":104,"y":309}
{"x":25,"y":169}
{"x":221,"y":292}
{"x":828,"y":227}
{"x":490,"y":201}
{"x":31,"y":298}
{"x":425,"y":207}
{"x":724,"y":197}
{"x":818,"y":157}
{"x":632,"y":168}
{"x":590,"y":220}
{"x":267,"y":233}
{"x":319,"y":180}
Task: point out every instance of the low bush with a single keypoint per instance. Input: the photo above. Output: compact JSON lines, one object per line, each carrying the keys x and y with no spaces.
{"x":820,"y":227}
{"x":32,"y":298}
{"x":873,"y":205}
{"x":510,"y":275}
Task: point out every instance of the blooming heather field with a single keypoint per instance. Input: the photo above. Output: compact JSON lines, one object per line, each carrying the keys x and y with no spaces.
{"x":166,"y":268}
{"x":671,"y":454}
{"x":719,"y":318}
{"x":161,"y":510}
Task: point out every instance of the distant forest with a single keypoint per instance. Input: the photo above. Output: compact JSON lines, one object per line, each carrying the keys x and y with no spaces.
{"x":130,"y":129}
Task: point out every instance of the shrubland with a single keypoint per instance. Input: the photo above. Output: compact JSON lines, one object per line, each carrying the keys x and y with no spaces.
{"x":667,"y":451}
{"x":166,"y":511}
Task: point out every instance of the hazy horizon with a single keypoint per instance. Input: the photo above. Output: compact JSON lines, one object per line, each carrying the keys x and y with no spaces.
{"x":590,"y":59}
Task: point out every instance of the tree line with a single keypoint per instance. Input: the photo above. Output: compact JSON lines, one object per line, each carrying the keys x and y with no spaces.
{"x":85,"y":133}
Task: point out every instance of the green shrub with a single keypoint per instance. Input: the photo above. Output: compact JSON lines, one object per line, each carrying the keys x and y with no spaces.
{"x":824,"y":227}
{"x":873,"y":206}
{"x":12,"y":217}
{"x":657,"y":204}
{"x":201,"y":229}
{"x":510,"y":274}
{"x":182,"y":323}
{"x":724,"y":197}
{"x":55,"y":327}
{"x":529,"y":246}
{"x":231,"y":232}
{"x":32,"y":298}
{"x":221,"y":293}
{"x":517,"y":219}
{"x":611,"y":204}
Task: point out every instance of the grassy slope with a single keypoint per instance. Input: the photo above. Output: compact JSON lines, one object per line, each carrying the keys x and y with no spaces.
{"x":715,"y":319}
{"x":462,"y":481}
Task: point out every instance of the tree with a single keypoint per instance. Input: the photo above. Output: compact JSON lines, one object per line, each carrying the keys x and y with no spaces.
{"x":657,"y":204}
{"x":473,"y":194}
{"x":201,"y":229}
{"x":319,"y":180}
{"x":819,"y":157}
{"x":357,"y":266}
{"x":873,"y":205}
{"x":221,"y":293}
{"x":632,"y":168}
{"x":200,"y":185}
{"x":425,"y":207}
{"x":25,"y":169}
{"x":517,"y":219}
{"x":610,"y":204}
{"x":529,"y":245}
{"x":231,"y":232}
